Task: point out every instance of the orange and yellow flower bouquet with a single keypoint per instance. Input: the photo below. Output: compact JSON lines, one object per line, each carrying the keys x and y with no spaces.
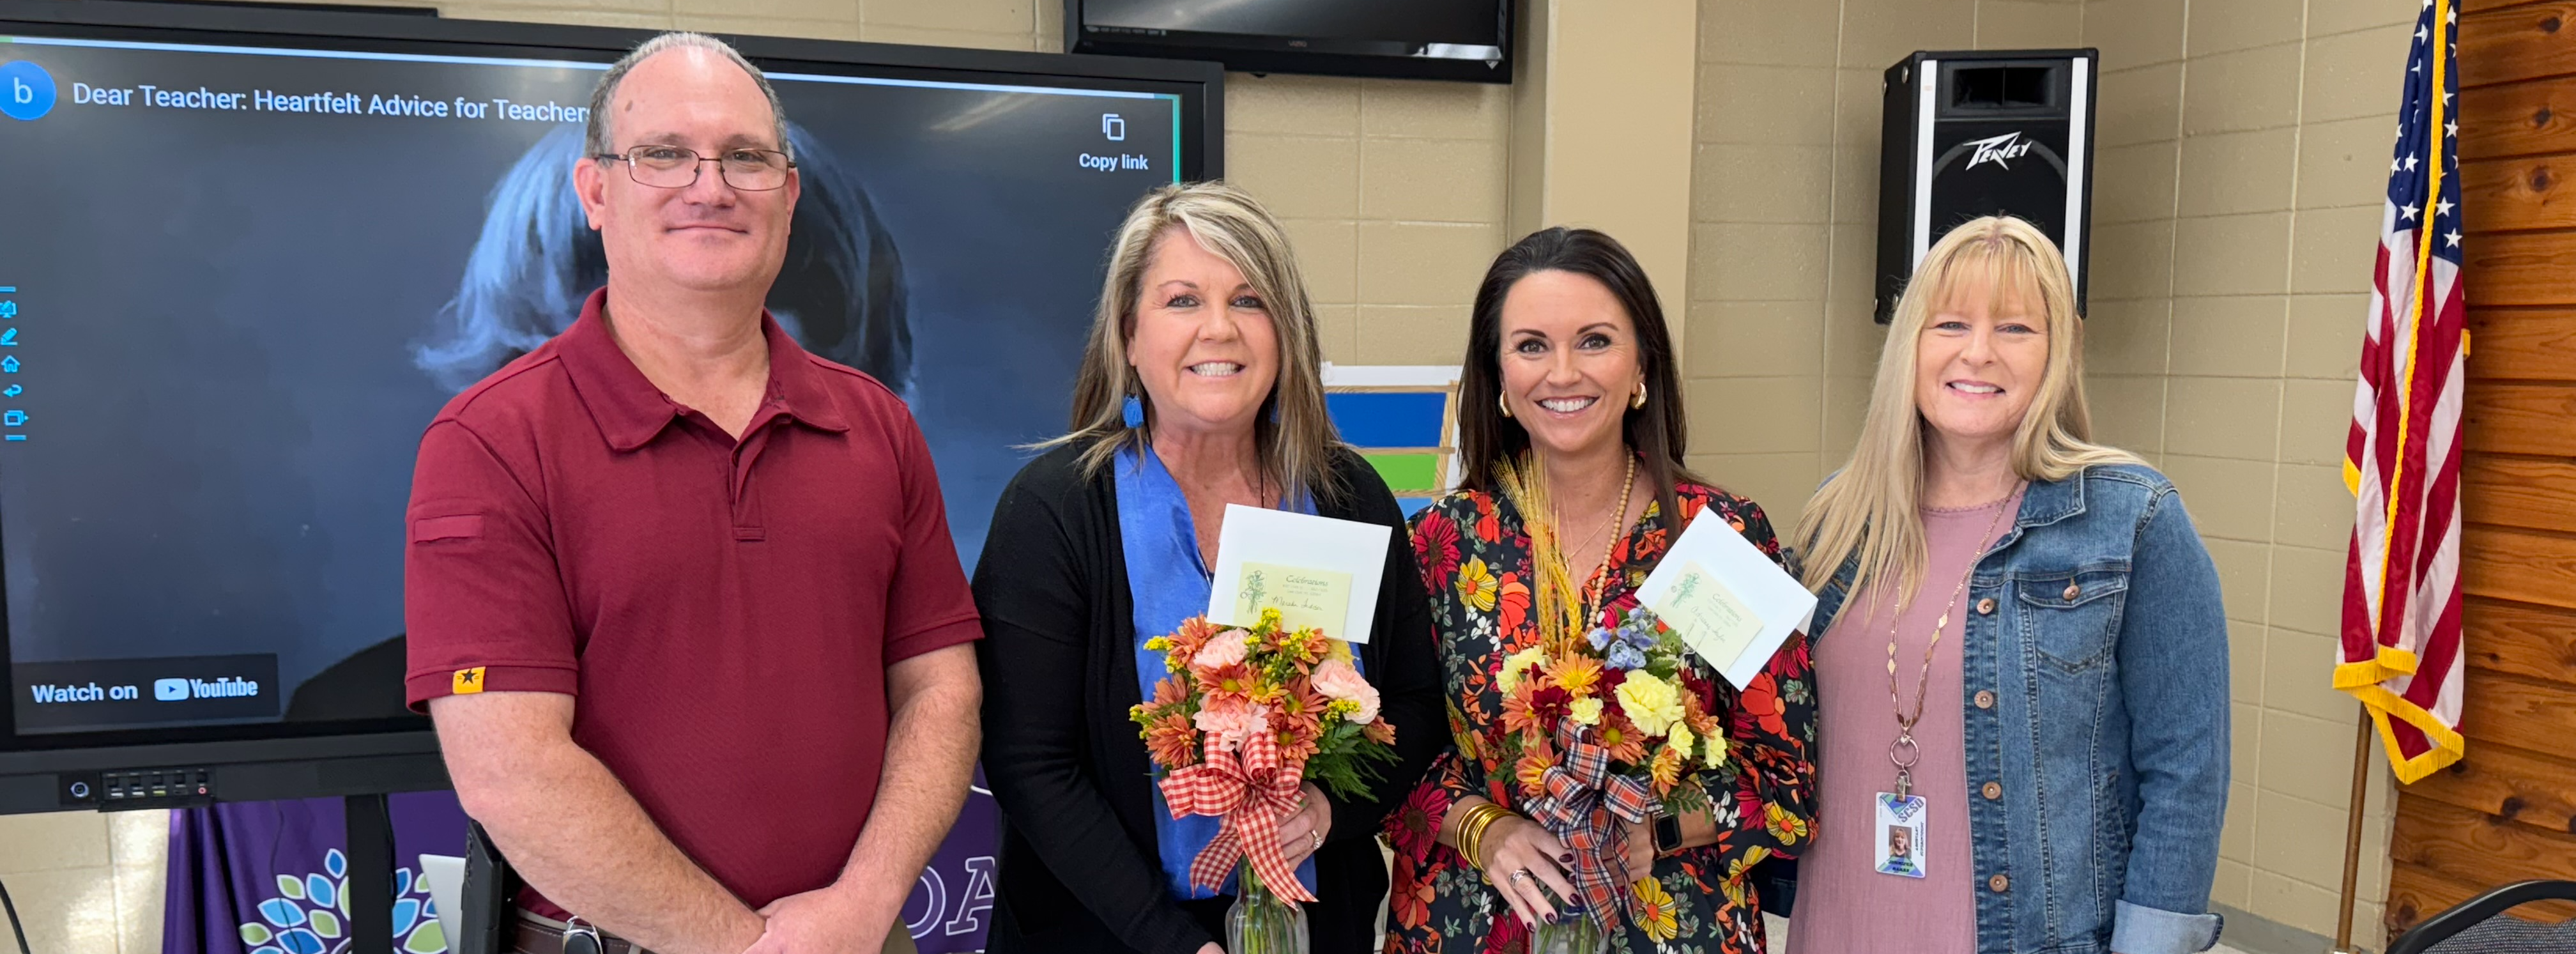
{"x":1245,"y":717}
{"x":1605,"y":719}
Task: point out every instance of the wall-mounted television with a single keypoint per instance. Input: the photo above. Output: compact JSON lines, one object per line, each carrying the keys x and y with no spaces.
{"x":247,"y":254}
{"x":1416,"y":39}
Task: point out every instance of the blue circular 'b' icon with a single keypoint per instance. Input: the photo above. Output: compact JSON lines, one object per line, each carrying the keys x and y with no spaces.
{"x":26,"y":90}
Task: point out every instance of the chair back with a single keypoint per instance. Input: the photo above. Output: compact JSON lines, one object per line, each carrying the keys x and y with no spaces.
{"x":2481,"y":926}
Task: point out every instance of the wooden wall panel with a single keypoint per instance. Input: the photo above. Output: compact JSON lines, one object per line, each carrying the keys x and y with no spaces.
{"x":2518,"y":43}
{"x":2519,"y":639}
{"x":2524,"y":713}
{"x":2470,"y":7}
{"x":2521,"y":418}
{"x":2522,"y":492}
{"x":2511,"y":783}
{"x":2479,"y":848}
{"x":2527,"y":344}
{"x":2518,"y":193}
{"x":2517,"y":119}
{"x":2519,"y":268}
{"x":2415,"y":893}
{"x":2521,"y":565}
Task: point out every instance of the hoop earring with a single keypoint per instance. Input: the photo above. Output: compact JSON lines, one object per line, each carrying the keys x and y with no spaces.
{"x":1505,"y":405}
{"x":1638,"y":402}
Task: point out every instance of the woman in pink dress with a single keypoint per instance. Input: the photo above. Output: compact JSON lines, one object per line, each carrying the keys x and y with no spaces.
{"x":2022,"y":674}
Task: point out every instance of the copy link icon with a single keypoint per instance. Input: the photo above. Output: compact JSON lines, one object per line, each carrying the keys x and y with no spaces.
{"x":26,"y":90}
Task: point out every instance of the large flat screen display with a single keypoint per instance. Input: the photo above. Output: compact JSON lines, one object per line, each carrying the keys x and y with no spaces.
{"x":243,"y":263}
{"x":1424,"y":39}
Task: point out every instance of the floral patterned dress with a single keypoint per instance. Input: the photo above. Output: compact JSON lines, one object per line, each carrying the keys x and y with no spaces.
{"x":1475,"y":559}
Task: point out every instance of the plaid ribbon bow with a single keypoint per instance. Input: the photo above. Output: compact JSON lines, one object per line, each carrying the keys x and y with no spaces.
{"x":1583,"y":807}
{"x":1251,"y":791}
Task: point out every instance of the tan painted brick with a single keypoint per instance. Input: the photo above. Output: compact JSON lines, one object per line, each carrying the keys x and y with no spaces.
{"x":2229,"y":336}
{"x":1416,"y":263}
{"x":1437,"y":110}
{"x":1412,"y":334}
{"x":1432,"y":180}
{"x":1292,"y":104}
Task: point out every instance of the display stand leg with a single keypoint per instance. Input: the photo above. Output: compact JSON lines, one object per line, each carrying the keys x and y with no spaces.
{"x":371,"y":875}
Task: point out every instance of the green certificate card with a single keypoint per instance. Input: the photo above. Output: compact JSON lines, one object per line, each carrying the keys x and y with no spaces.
{"x":1715,"y":622}
{"x":1304,"y":597}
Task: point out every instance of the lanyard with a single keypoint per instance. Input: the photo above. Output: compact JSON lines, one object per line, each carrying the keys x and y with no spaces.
{"x":1903,"y":751}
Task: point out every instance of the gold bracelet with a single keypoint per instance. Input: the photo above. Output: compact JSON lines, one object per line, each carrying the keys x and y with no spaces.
{"x":1471,"y":830}
{"x":1460,"y":820}
{"x":1485,"y":819}
{"x":1464,"y":826}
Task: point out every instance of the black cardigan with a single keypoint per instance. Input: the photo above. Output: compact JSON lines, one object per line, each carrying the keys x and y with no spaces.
{"x":1079,"y":869}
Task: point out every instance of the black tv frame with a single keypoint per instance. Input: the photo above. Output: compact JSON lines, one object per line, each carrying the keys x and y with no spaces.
{"x":47,"y":773}
{"x":1328,"y":56}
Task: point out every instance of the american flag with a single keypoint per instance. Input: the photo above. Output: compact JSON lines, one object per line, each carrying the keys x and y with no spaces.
{"x":2401,"y":601}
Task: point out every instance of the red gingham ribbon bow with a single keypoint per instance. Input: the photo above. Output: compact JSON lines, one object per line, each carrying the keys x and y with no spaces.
{"x":1582,"y":808}
{"x":1251,"y":791}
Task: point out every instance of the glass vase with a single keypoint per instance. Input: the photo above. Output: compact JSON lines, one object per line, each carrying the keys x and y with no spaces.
{"x":1573,"y":933}
{"x":1260,"y":922}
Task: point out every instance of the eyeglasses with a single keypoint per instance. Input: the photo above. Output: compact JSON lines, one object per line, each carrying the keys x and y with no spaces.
{"x":674,"y":167}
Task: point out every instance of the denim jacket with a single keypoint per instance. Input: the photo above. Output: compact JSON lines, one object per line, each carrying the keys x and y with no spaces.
{"x":2095,"y":664}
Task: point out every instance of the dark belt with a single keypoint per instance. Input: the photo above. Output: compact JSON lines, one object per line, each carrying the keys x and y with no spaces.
{"x":538,"y":934}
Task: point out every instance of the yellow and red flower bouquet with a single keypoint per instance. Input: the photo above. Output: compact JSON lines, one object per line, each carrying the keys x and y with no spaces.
{"x":1606,"y":717}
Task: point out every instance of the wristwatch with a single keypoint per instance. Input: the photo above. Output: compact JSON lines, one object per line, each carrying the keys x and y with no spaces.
{"x":1668,"y":834}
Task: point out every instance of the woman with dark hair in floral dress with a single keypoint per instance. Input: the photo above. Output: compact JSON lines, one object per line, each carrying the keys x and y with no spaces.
{"x":1570,"y":375}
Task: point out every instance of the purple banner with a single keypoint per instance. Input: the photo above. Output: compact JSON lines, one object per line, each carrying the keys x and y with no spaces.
{"x":271,"y":877}
{"x":953,"y":904}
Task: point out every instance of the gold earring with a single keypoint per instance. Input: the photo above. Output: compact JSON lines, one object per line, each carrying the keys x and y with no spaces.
{"x":1504,"y":404}
{"x":1639,"y":402}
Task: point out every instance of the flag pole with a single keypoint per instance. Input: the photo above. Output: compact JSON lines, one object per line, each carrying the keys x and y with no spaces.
{"x":2352,"y":832}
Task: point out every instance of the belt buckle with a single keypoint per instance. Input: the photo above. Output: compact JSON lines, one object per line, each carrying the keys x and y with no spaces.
{"x":579,"y":937}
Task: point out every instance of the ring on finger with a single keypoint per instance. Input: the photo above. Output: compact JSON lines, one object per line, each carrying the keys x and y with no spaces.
{"x":1520,"y":875}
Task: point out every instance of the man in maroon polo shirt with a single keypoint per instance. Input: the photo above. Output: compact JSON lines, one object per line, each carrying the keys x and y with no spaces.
{"x":681,"y":596}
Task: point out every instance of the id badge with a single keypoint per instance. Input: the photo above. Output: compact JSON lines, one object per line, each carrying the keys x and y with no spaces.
{"x":1899,"y":834}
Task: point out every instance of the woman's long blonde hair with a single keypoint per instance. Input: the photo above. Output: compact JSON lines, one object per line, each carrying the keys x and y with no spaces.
{"x":1869,"y":508}
{"x":1293,"y":433}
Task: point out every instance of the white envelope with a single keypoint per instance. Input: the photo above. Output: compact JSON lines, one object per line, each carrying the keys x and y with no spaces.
{"x":1775,"y":597}
{"x":1283,"y":538}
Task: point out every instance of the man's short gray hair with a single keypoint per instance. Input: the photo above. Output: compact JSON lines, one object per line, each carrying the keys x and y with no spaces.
{"x":600,"y":136}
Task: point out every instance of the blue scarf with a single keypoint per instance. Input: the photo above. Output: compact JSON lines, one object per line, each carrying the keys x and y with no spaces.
{"x":1168,"y":584}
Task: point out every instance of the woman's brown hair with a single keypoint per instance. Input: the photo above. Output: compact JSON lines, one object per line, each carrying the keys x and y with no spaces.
{"x":1657,"y":432}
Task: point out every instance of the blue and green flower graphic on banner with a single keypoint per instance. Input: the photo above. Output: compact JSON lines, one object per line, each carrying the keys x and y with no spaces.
{"x":310,"y":915}
{"x":272,"y":877}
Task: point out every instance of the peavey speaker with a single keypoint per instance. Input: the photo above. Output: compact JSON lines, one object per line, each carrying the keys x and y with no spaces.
{"x":1978,"y":133}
